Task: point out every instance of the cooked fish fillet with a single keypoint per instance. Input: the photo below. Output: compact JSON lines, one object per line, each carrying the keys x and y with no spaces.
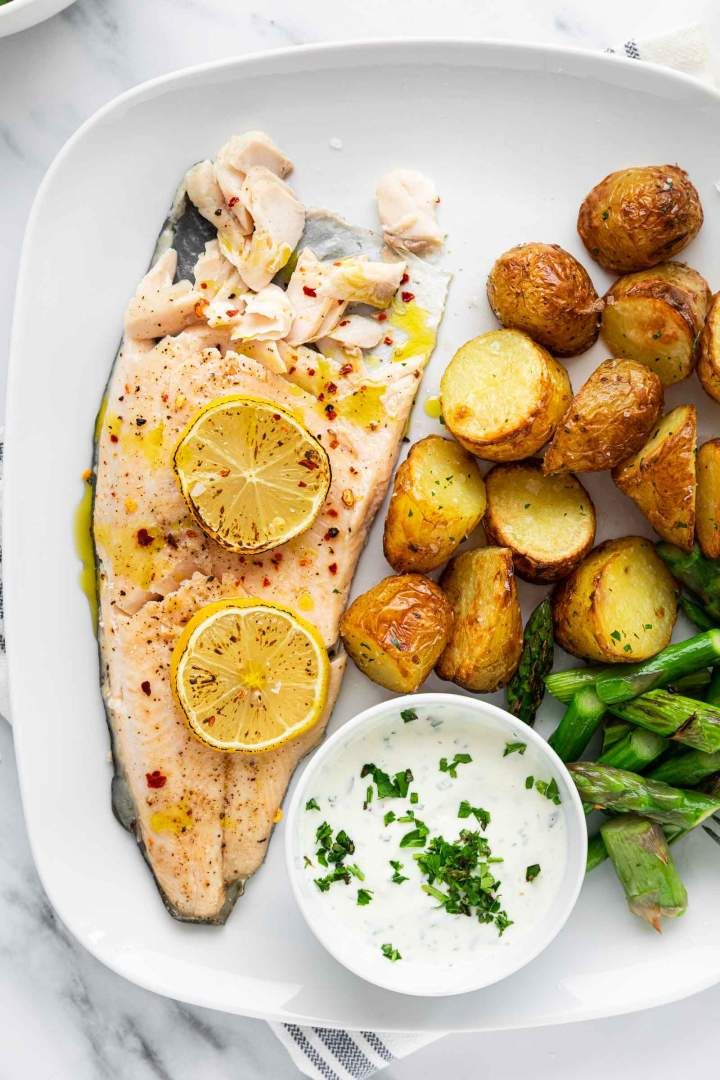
{"x":203,"y":818}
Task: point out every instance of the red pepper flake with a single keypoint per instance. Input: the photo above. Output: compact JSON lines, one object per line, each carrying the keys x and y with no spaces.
{"x":171,"y":541}
{"x":266,"y":582}
{"x":308,"y":291}
{"x":308,"y":463}
{"x":333,"y":568}
{"x":344,"y":322}
{"x":388,"y":340}
{"x":144,"y":538}
{"x":407,"y":297}
{"x":301,"y":484}
{"x":145,"y":687}
{"x":404,"y":279}
{"x":233,"y":201}
{"x":276,"y":416}
{"x":200,"y":308}
{"x":346,"y":369}
{"x":203,"y":284}
{"x":334,"y":441}
{"x":382,"y":316}
{"x":331,"y":388}
{"x":232,"y":311}
{"x":113,"y":438}
{"x":332,"y":513}
{"x":155,"y":779}
{"x":276,"y":559}
{"x":292,"y":369}
{"x":331,"y":533}
{"x":311,"y":371}
{"x":330,"y":412}
{"x":191,"y":533}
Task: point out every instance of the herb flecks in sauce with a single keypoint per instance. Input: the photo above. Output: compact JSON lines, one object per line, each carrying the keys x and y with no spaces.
{"x":514,"y":748}
{"x":459,"y":877}
{"x":481,"y":816}
{"x":387,"y":788}
{"x":312,"y":804}
{"x":532,"y":872}
{"x":450,"y":767}
{"x":391,"y":952}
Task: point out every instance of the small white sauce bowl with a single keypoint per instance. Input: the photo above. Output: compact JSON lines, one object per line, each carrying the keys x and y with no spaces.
{"x":496,"y":963}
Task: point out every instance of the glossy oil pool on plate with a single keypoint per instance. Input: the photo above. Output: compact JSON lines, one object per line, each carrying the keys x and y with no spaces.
{"x":514,"y":137}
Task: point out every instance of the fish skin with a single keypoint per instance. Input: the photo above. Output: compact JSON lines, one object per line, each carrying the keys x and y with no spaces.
{"x":147,"y":593}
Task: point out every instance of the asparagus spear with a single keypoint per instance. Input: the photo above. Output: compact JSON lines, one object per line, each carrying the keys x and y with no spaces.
{"x":526,"y":689}
{"x":563,"y":684}
{"x":698,"y":574}
{"x":687,"y":770}
{"x":696,"y":613}
{"x":691,"y":722}
{"x":578,"y":725}
{"x":674,"y":660}
{"x":712,"y":697}
{"x":635,"y":750}
{"x":606,"y":788}
{"x":613,"y":731}
{"x":641,"y":858}
{"x":597,"y":853}
{"x":693,"y":685}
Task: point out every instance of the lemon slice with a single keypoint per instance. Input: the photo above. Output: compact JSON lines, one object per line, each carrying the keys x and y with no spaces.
{"x":252,"y":475}
{"x":249,"y":675}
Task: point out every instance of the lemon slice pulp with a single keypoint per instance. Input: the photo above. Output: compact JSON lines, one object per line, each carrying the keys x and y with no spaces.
{"x":249,"y":675}
{"x":251,"y":474}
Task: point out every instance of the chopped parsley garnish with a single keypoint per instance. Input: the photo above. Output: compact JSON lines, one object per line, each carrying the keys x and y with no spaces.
{"x":397,"y":877}
{"x":368,"y":797}
{"x":364,"y":896}
{"x":395,"y":788}
{"x":391,"y":952}
{"x":417,"y":836}
{"x":414,"y":797}
{"x":459,"y":877}
{"x":616,"y":634}
{"x":548,"y":788}
{"x":480,"y":815}
{"x":532,"y":872}
{"x":451,"y":766}
{"x":514,"y":748}
{"x":332,"y":852}
{"x":389,"y":817}
{"x":308,"y":860}
{"x":408,"y":715}
{"x":312,"y":804}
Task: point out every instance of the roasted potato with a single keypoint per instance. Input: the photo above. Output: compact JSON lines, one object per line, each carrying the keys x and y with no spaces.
{"x":486,"y":640}
{"x":438,"y":498}
{"x":543,"y":290}
{"x":639,"y":217}
{"x":548,"y":522}
{"x":708,"y":368}
{"x":502,"y":395}
{"x":660,"y":477}
{"x":396,"y":631}
{"x":609,"y":418}
{"x":655,"y":317}
{"x":618,"y":605}
{"x":707,"y":504}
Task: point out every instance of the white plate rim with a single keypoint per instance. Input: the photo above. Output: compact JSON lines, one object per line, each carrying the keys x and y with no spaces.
{"x":641,"y":75}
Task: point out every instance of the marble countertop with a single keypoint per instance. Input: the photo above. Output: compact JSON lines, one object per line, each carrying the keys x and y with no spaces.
{"x":64,"y":1016}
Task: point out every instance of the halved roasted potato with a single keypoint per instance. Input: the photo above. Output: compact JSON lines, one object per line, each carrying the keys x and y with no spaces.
{"x":618,"y":605}
{"x":708,"y":368}
{"x":486,"y":640}
{"x":502,"y":395}
{"x":543,"y":290}
{"x":395,"y":631}
{"x":548,"y":522}
{"x":660,"y":477}
{"x":655,"y":317}
{"x":438,"y":499}
{"x":707,"y":506}
{"x":609,"y":418}
{"x":639,"y":217}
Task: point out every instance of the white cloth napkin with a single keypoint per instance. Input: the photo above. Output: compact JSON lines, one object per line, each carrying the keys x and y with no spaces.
{"x":331,"y":1054}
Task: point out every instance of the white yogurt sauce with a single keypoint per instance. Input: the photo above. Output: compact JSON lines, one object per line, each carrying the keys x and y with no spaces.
{"x":526,"y":828}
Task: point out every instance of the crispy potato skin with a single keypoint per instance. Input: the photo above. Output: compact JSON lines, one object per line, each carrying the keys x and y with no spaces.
{"x":585,"y":605}
{"x":708,"y":368}
{"x":609,"y":418}
{"x":547,"y":522}
{"x":639,"y":217}
{"x":438,"y":499}
{"x":499,"y":373}
{"x":486,"y":641}
{"x":656,"y":316}
{"x":396,"y":631}
{"x":660,"y":477}
{"x":543,"y":290}
{"x":707,"y":521}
